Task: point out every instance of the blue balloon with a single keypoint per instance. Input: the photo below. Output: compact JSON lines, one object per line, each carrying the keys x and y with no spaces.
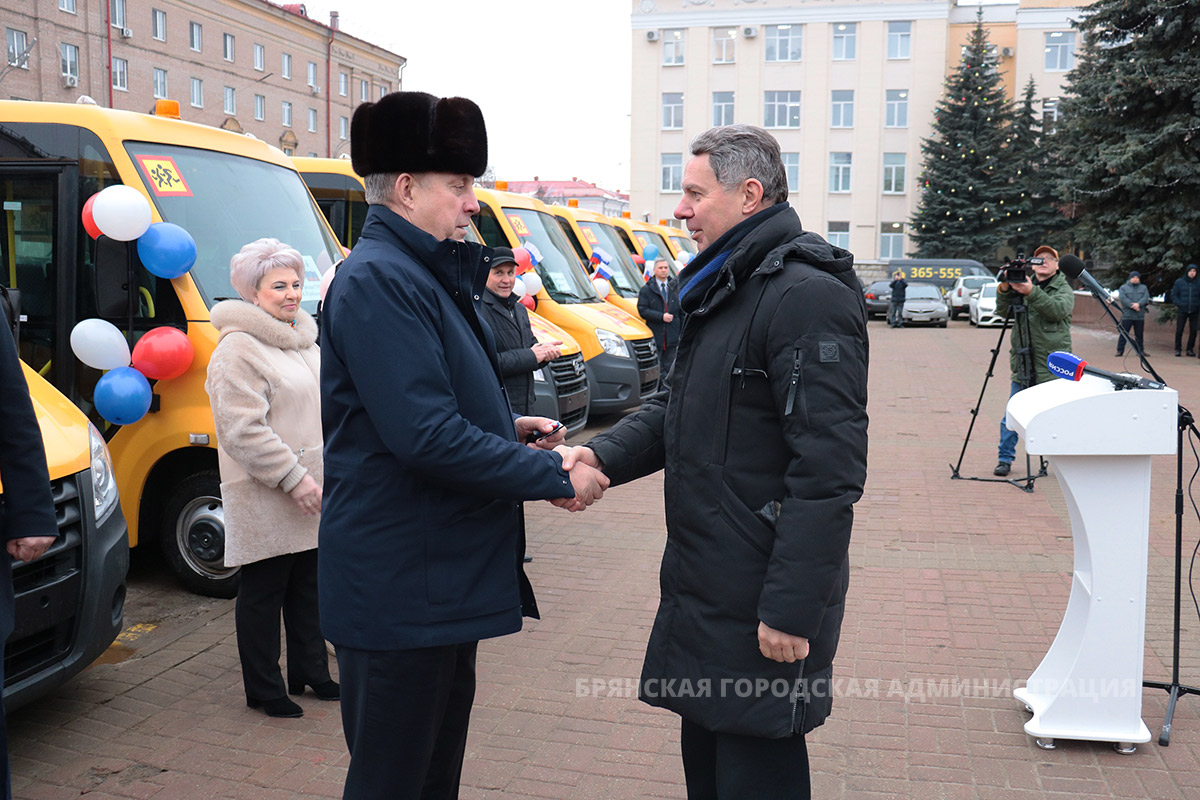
{"x":167,"y":250}
{"x":122,"y":395}
{"x":650,"y":253}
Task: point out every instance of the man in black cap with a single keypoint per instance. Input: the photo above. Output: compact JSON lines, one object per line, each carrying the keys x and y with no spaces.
{"x":1134,"y":298}
{"x":421,"y":535}
{"x":1185,"y":294}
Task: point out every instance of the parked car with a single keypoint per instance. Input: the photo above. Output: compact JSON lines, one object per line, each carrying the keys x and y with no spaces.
{"x":878,"y":297}
{"x":982,"y":306}
{"x":959,"y":296}
{"x":924,"y":305}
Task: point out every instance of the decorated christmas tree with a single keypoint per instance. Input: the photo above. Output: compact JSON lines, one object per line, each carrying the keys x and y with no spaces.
{"x":1034,"y":213}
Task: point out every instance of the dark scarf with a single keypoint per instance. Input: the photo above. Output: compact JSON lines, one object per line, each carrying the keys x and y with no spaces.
{"x":701,"y":273}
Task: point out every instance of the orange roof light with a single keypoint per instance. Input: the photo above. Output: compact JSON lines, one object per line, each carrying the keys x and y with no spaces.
{"x":625,"y":215}
{"x":166,"y":108}
{"x":502,"y":186}
{"x":572,"y":203}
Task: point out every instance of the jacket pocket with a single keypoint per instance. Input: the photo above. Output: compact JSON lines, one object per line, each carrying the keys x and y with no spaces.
{"x":722,"y":409}
{"x":745,"y":523}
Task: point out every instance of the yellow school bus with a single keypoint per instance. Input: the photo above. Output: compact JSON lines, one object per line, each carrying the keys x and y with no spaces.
{"x":678,"y":239}
{"x":618,"y":349}
{"x":587,"y":230}
{"x":226,"y":190}
{"x":339,"y":193}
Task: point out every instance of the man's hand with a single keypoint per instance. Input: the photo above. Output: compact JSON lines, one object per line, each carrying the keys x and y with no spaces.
{"x":1024,"y":287}
{"x":587,"y":479}
{"x":668,"y":316}
{"x":579,"y":454}
{"x":27,"y":548}
{"x":780,"y":646}
{"x":547,"y":351}
{"x":307,"y":495}
{"x":528,"y":427}
{"x":1137,"y":306}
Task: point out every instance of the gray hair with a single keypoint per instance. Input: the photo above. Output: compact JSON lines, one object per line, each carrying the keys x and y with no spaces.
{"x":253,"y":261}
{"x":379,"y":187}
{"x":739,"y":152}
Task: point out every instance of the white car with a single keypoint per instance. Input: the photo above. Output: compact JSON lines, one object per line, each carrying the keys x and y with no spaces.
{"x":982,"y":308}
{"x":960,"y":293}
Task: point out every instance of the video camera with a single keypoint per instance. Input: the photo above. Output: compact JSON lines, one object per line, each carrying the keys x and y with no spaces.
{"x":1014,"y":270}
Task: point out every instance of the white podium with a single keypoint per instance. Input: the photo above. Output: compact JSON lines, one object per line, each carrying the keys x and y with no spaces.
{"x":1099,"y":440}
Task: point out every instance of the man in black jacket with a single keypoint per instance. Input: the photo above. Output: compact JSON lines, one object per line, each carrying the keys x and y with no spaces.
{"x":658,"y":304}
{"x":1185,"y":294}
{"x":762,"y":432}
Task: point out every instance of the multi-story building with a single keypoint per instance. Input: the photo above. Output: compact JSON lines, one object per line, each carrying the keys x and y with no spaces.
{"x":848,"y":89}
{"x":244,"y":65}
{"x":587,"y":195}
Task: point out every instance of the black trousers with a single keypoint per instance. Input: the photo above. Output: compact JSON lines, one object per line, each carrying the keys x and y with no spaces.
{"x":1138,"y":328}
{"x":286,"y":583}
{"x":1190,"y":319}
{"x":405,"y":715}
{"x":725,"y":766}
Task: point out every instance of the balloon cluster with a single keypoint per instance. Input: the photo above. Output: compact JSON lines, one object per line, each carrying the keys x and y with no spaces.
{"x":528,"y":282}
{"x":122,"y":395}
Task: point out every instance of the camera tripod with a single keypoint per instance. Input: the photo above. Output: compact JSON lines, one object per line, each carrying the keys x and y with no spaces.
{"x":1019,"y":317}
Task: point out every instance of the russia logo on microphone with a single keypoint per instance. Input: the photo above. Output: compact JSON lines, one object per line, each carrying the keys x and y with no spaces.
{"x":1067,"y":366}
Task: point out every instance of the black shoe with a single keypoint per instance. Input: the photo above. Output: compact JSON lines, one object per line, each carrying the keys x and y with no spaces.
{"x":279,"y":707}
{"x":1120,"y":354}
{"x":1177,"y":353}
{"x":526,"y":558}
{"x":1002,"y":469}
{"x":1191,"y":353}
{"x":326,"y":690}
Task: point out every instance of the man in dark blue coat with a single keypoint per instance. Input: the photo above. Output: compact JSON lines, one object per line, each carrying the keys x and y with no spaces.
{"x":27,"y":522}
{"x":658,"y":304}
{"x":1185,"y":294}
{"x":425,"y":465}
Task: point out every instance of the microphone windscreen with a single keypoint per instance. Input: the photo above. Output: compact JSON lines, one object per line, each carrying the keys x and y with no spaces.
{"x":1066,"y":365}
{"x":1071,"y":265}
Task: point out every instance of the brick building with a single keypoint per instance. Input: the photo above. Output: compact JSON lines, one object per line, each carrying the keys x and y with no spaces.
{"x":244,"y":65}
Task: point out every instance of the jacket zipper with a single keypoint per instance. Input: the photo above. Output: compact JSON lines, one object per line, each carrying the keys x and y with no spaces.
{"x":791,"y":397}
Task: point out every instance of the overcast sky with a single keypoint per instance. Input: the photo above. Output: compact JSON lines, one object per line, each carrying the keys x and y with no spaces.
{"x":552,"y":76}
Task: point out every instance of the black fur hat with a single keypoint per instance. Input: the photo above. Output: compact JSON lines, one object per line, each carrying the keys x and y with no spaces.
{"x":417,"y":132}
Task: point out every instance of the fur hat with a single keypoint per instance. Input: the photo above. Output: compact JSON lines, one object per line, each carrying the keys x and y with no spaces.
{"x":417,"y":132}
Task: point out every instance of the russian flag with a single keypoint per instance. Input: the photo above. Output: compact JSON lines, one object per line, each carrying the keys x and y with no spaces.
{"x":601,"y":260}
{"x":535,"y":255}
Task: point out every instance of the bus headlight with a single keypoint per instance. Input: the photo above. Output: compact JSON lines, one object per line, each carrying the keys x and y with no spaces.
{"x":104,"y":483}
{"x":612,"y":344}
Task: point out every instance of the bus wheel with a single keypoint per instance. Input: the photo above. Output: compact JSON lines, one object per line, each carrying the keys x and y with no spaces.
{"x":193,"y":536}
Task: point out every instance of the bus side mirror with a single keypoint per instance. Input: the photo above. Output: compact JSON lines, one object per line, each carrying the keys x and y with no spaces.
{"x":112,"y":276}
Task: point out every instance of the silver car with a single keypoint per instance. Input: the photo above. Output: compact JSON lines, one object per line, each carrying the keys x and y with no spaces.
{"x":924,"y":305}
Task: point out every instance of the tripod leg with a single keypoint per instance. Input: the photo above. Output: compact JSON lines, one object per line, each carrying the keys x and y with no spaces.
{"x":979,"y":402}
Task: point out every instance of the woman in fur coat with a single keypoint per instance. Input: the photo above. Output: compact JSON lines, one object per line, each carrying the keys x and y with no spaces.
{"x":264,"y":386}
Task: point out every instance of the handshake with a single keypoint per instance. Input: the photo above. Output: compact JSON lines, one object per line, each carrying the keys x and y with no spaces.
{"x":587,"y":479}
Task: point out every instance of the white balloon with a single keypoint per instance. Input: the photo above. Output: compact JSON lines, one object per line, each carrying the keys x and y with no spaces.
{"x":603,"y":287}
{"x":533,"y":282}
{"x":519,"y":288}
{"x":121,"y":213}
{"x":99,"y":344}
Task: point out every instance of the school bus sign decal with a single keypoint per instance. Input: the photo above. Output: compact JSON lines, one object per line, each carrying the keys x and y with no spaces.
{"x":164,"y":176}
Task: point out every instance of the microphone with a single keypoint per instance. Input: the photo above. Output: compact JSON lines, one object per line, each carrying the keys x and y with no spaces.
{"x":1071,"y":367}
{"x":1073,"y":267}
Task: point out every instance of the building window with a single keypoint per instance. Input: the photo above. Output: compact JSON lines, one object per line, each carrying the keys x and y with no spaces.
{"x":67,"y":5}
{"x":783,"y":42}
{"x":899,"y":40}
{"x":364,"y":91}
{"x":312,"y":73}
{"x":116,"y":13}
{"x":724,"y":45}
{"x":673,"y":41}
{"x":260,"y":107}
{"x":722,"y":108}
{"x":791,"y":165}
{"x":845,"y":37}
{"x":839,"y":172}
{"x":782,"y":110}
{"x":343,"y":84}
{"x":1060,"y":51}
{"x":285,"y":66}
{"x":895,"y":166}
{"x":344,"y":128}
{"x":69,"y":54}
{"x":195,"y":36}
{"x":120,"y":74}
{"x":230,"y":101}
{"x":897,"y":108}
{"x":842,"y":112}
{"x":838,"y":234}
{"x":287,"y":114}
{"x":228,"y":47}
{"x":312,"y":120}
{"x":383,"y":90}
{"x":197,"y":93}
{"x":1050,"y":115}
{"x":891,"y":240}
{"x":17,"y":47}
{"x":260,"y":57}
{"x":672,"y":107}
{"x":672,"y":172}
{"x":158,"y":24}
{"x":160,"y":84}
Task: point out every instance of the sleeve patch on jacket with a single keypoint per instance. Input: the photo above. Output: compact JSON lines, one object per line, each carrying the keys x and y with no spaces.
{"x":829,"y":353}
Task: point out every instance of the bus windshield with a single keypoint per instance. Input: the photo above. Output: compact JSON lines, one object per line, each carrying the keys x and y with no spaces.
{"x":560,"y":270}
{"x":684,"y":243}
{"x":623,"y":269}
{"x":226,"y":201}
{"x":647,"y":238}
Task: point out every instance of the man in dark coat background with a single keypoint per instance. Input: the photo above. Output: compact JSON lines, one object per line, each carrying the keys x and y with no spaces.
{"x":762,"y":432}
{"x":425,"y":466}
{"x":1185,"y":294}
{"x":658,"y":304}
{"x":27,"y":518}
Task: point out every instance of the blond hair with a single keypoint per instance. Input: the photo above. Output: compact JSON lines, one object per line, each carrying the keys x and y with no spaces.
{"x":253,"y":261}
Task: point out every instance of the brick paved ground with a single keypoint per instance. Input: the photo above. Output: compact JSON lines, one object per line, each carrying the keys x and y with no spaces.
{"x":955,"y":583}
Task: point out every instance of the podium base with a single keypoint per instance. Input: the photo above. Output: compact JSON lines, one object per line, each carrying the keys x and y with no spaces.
{"x":1124,"y":734}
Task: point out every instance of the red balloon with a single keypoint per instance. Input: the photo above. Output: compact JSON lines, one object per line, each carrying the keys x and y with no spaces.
{"x":162,"y":353}
{"x":89,"y":224}
{"x":524,"y":262}
{"x":529,"y":301}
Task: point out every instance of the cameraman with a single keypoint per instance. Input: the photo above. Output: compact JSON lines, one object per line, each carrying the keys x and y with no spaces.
{"x":1049,"y":303}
